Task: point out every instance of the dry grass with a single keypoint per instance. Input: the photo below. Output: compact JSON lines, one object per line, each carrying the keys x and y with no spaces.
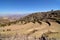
{"x":31,"y":28}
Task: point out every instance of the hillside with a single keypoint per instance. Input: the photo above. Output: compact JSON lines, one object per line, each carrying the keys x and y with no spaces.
{"x":35,"y":26}
{"x":53,"y":16}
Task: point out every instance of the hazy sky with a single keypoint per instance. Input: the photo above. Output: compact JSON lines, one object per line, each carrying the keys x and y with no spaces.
{"x":27,"y":6}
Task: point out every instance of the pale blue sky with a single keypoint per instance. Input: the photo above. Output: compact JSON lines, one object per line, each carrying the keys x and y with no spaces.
{"x":27,"y":6}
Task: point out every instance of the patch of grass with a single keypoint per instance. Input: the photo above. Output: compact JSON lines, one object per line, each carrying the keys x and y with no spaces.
{"x":7,"y":33}
{"x":53,"y":35}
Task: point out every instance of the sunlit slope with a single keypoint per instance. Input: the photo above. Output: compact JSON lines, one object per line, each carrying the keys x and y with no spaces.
{"x":31,"y":29}
{"x":35,"y":25}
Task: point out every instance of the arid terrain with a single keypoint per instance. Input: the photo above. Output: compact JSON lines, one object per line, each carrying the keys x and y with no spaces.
{"x":35,"y":26}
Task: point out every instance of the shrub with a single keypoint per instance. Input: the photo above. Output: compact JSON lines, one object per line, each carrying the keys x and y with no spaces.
{"x":39,"y":22}
{"x":8,"y":29}
{"x":58,"y":21}
{"x":3,"y":30}
{"x":48,"y":23}
{"x":3,"y":25}
{"x":9,"y":24}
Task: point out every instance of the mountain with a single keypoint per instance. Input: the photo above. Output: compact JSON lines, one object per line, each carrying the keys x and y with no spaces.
{"x":10,"y":18}
{"x":43,"y":16}
{"x":50,"y":16}
{"x":35,"y":26}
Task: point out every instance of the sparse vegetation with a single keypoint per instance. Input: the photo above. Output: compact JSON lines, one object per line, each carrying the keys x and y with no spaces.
{"x":58,"y":21}
{"x":37,"y":17}
{"x":36,"y":24}
{"x":8,"y":29}
{"x":43,"y":16}
{"x":48,"y":23}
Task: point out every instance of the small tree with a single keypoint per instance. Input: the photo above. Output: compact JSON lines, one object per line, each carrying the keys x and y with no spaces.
{"x":3,"y":25}
{"x":9,"y":24}
{"x":8,"y":29}
{"x":48,"y":23}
